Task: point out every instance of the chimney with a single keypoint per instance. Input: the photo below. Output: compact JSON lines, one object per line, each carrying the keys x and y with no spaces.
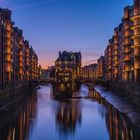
{"x":59,"y":53}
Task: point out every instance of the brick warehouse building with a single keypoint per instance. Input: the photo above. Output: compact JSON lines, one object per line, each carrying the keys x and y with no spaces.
{"x":122,"y":54}
{"x":18,"y":61}
{"x":67,"y":69}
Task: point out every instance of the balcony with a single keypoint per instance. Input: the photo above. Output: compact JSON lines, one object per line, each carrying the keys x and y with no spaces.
{"x":8,"y":35}
{"x":137,"y":65}
{"x":116,"y":64}
{"x":127,"y":57}
{"x":8,"y":43}
{"x":27,"y":72}
{"x":115,"y":58}
{"x":115,"y":42}
{"x":126,"y":26}
{"x":8,"y":58}
{"x":20,"y":59}
{"x":136,"y":36}
{"x":134,"y":17}
{"x":127,"y":50}
{"x":115,"y":47}
{"x":136,"y":22}
{"x":135,"y":26}
{"x":20,"y":71}
{"x":20,"y":53}
{"x":137,"y":33}
{"x":8,"y":68}
{"x":20,"y":64}
{"x":8,"y":50}
{"x":116,"y":53}
{"x":20,"y":42}
{"x":127,"y":67}
{"x":116,"y":70}
{"x":127,"y":33}
{"x":135,"y":46}
{"x":137,"y":52}
{"x":126,"y":16}
{"x":110,"y":67}
{"x":127,"y":42}
{"x":8,"y":27}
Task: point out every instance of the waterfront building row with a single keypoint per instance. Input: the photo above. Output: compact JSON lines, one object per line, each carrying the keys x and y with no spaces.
{"x":89,"y":72}
{"x":94,"y":71}
{"x":18,"y":60}
{"x":121,"y":60}
{"x":122,"y":55}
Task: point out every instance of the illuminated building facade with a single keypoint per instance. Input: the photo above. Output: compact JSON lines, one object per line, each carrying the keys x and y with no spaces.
{"x":33,"y":63}
{"x":93,"y":71}
{"x":85,"y":72}
{"x":108,"y":60}
{"x":40,"y":72}
{"x":117,"y":53}
{"x":18,"y":61}
{"x":67,"y":69}
{"x":122,"y":55}
{"x":128,"y":42}
{"x":101,"y":68}
{"x":26,"y":59}
{"x":120,"y":63}
{"x":89,"y":72}
{"x":136,"y":39}
{"x":5,"y":47}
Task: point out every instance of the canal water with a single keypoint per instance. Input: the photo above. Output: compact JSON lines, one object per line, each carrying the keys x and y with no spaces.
{"x":40,"y":117}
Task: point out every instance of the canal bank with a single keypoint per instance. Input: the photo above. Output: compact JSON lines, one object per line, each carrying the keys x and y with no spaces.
{"x":38,"y":116}
{"x":129,"y":90}
{"x":12,"y":92}
{"x":128,"y":109}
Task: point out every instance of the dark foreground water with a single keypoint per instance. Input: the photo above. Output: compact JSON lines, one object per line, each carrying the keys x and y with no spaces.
{"x":39,"y":117}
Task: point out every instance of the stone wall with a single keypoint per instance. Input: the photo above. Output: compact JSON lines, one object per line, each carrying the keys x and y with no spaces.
{"x":129,"y":90}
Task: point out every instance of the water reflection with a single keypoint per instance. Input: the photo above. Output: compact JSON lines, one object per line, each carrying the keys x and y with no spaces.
{"x":119,"y":128}
{"x":68,"y":116}
{"x":39,"y":117}
{"x":16,"y":123}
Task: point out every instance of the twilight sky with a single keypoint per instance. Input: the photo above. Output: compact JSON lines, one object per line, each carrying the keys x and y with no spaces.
{"x":57,"y":25}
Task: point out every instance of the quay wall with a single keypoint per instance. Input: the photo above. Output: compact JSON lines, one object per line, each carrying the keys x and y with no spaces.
{"x":129,"y":90}
{"x":16,"y":90}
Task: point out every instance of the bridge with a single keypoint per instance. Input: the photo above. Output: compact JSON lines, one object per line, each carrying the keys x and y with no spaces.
{"x":89,"y":84}
{"x":46,"y":80}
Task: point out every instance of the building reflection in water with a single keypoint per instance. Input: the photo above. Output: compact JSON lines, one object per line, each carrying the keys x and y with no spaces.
{"x":19,"y":123}
{"x":16,"y":125}
{"x":68,"y":116}
{"x":118,"y":126}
